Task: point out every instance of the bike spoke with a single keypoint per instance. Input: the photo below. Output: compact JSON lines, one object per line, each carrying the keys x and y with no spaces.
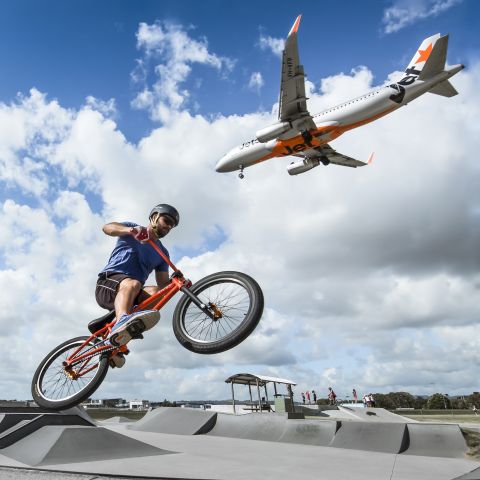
{"x":56,"y":384}
{"x":231,"y":299}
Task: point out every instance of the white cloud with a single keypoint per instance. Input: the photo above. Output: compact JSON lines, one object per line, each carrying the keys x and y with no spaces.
{"x":274,"y":45}
{"x":406,"y":12}
{"x":256,"y":81}
{"x":29,"y":127}
{"x":364,"y":271}
{"x":173,"y":54}
{"x":107,"y":108}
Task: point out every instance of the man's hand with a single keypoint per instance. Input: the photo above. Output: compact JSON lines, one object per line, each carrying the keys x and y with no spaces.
{"x":142,"y":234}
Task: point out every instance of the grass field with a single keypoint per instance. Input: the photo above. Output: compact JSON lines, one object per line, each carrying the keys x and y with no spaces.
{"x":446,"y":418}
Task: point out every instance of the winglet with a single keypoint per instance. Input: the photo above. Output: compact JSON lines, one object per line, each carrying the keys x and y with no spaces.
{"x":370,"y":158}
{"x":295,"y":25}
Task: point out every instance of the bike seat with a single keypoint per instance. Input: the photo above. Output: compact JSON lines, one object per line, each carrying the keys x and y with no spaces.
{"x":100,"y":322}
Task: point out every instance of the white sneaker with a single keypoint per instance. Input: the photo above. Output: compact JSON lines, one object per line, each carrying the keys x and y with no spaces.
{"x":132,"y":326}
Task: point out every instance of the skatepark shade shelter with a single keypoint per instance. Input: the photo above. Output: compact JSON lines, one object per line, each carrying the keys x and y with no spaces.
{"x":258,"y":381}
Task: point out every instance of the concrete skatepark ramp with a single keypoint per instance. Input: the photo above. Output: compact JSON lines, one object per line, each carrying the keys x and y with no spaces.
{"x":36,"y":437}
{"x":18,"y":423}
{"x":435,"y":440}
{"x":441,"y":440}
{"x":371,"y":437}
{"x":274,"y":428}
{"x":180,"y":421}
{"x":61,"y":444}
{"x":188,"y":443}
{"x":373,"y":415}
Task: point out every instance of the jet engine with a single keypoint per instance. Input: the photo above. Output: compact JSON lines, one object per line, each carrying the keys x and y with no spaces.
{"x":302,"y":166}
{"x":273,"y":131}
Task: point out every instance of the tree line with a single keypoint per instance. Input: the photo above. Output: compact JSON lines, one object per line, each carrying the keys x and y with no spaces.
{"x":437,"y":401}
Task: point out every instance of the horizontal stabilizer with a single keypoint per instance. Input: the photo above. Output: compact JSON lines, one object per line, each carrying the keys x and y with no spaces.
{"x":445,"y":89}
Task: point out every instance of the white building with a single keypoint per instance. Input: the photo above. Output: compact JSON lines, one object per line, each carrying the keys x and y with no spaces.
{"x":138,"y":404}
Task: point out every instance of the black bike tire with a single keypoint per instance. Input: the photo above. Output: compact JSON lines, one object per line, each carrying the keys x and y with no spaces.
{"x":83,"y":394}
{"x":240,"y":333}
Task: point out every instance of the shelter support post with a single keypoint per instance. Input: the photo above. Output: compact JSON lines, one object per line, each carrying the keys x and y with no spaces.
{"x":233,"y":399}
{"x":259,"y":399}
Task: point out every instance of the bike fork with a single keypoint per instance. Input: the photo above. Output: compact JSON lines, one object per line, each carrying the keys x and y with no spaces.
{"x":204,"y":308}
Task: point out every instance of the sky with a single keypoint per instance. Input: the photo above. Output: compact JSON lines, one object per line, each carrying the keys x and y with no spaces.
{"x":371,"y":276}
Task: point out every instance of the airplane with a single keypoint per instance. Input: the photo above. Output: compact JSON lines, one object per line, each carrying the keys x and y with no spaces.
{"x":300,"y":134}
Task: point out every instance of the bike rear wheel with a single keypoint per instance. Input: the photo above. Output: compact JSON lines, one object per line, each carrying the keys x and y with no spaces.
{"x":58,"y":388}
{"x":236,"y":298}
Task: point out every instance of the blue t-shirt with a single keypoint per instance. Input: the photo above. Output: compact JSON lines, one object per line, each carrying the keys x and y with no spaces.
{"x":135,"y":259}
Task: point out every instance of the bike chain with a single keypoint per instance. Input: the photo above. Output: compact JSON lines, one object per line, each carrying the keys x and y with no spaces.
{"x":111,"y":349}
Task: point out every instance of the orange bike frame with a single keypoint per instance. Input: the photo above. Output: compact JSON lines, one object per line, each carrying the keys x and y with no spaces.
{"x":158,"y":300}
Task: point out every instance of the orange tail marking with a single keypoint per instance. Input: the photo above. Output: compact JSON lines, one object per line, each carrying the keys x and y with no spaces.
{"x":424,"y":54}
{"x":295,"y":25}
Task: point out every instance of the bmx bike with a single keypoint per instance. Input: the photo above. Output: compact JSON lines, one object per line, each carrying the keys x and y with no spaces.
{"x":214,"y":315}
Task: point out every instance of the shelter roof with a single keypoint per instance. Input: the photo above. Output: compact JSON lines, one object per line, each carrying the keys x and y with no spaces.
{"x":251,"y":379}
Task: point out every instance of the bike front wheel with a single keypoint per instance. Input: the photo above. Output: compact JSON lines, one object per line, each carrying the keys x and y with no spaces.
{"x":56,"y":387}
{"x":236,"y":302}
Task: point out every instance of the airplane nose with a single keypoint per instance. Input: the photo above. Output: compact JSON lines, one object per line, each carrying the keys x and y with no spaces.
{"x":225,"y":164}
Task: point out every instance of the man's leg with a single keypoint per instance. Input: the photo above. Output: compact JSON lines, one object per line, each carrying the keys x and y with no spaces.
{"x":130,"y":325}
{"x":146,"y":292}
{"x":128,"y":290}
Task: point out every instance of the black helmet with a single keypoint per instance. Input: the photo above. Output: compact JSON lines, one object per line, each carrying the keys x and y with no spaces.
{"x":165,"y":209}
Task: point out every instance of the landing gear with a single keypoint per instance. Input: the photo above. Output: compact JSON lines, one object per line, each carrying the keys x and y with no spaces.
{"x":322,"y":158}
{"x":307,"y":137}
{"x":241,"y":175}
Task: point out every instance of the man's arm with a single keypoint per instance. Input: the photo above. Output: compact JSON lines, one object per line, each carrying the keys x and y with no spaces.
{"x":115,"y":229}
{"x":142,"y":234}
{"x":162,"y":279}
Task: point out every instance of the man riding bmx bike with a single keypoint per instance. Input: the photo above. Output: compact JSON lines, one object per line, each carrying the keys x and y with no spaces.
{"x":120,"y":284}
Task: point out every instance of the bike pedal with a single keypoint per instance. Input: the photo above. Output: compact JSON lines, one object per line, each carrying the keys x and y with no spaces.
{"x":136,"y":330}
{"x":137,"y":336}
{"x":117,"y":361}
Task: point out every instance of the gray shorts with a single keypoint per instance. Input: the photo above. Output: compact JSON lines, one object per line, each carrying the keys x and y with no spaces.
{"x":107,"y":288}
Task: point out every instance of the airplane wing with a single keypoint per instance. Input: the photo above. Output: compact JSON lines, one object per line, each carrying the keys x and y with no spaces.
{"x":292,"y":101}
{"x":326,"y":154}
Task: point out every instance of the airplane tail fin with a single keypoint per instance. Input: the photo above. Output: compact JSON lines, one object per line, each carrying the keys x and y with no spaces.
{"x":430,"y":60}
{"x":430,"y":57}
{"x":435,"y":63}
